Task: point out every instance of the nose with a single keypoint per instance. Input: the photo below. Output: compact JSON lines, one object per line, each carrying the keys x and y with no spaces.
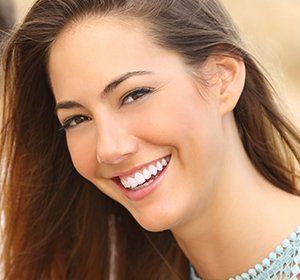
{"x":115,"y":144}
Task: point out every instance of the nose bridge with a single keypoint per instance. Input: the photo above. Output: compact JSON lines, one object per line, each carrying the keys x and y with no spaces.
{"x":114,"y":141}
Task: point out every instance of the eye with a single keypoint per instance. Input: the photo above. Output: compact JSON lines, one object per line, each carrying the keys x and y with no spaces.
{"x":73,"y":121}
{"x":136,"y":94}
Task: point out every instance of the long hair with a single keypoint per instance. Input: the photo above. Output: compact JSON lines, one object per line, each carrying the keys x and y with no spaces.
{"x":57,"y":224}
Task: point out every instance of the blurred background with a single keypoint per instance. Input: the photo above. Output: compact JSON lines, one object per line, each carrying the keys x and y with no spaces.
{"x":270,"y":29}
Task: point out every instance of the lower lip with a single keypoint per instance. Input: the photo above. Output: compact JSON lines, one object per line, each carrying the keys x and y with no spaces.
{"x":142,"y":193}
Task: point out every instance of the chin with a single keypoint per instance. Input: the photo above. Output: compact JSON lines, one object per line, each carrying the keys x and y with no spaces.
{"x":154,"y":227}
{"x":155,"y":223}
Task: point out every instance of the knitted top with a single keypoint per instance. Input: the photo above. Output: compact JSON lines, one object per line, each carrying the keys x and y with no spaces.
{"x":282,"y":263}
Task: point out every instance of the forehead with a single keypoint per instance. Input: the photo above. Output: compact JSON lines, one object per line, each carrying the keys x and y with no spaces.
{"x":93,"y":51}
{"x":106,"y":36}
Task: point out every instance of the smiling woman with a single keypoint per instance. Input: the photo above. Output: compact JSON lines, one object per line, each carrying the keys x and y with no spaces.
{"x":142,"y":141}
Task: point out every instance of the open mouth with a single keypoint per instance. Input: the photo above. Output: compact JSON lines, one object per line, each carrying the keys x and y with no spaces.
{"x":144,"y":177}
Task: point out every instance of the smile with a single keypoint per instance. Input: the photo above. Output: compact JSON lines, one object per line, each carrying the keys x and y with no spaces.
{"x":145,"y":176}
{"x":142,"y":181}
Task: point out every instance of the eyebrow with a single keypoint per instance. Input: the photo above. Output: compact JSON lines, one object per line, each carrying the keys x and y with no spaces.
{"x":107,"y":90}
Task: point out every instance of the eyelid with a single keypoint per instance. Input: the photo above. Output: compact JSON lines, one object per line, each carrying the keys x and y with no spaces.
{"x":71,"y":117}
{"x":127,"y":94}
{"x":66,"y":123}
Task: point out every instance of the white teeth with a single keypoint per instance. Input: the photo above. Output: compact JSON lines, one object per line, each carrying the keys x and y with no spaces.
{"x":139,"y":178}
{"x":146,"y":174}
{"x":152,"y":169}
{"x":133,"y":183}
{"x":164,"y":162}
{"x":125,"y":184}
{"x":159,"y":167}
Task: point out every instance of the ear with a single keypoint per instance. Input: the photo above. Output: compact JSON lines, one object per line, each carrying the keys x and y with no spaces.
{"x":232,"y":73}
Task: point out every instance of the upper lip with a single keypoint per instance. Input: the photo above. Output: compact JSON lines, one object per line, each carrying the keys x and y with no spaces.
{"x":135,"y":169}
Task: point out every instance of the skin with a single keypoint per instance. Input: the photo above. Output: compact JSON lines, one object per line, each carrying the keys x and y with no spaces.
{"x":225,"y":216}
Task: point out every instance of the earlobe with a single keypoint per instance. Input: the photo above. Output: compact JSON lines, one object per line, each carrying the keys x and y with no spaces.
{"x":232,"y":73}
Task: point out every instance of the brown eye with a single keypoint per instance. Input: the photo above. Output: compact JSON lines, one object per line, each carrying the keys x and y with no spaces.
{"x":74,"y":121}
{"x":136,"y":94}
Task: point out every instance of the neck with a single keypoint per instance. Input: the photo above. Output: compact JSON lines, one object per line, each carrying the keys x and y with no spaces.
{"x":246,"y":220}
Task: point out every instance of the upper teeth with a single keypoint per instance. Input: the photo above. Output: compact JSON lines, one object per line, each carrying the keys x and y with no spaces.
{"x":141,"y":176}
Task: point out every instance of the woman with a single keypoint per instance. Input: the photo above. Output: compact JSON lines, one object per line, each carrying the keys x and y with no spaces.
{"x":142,"y":141}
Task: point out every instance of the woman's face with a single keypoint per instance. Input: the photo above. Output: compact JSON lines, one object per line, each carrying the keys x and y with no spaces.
{"x":154,"y":113}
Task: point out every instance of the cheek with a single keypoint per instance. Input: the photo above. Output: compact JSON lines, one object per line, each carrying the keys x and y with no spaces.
{"x":179,"y":119}
{"x":188,"y":124}
{"x":82,"y":150}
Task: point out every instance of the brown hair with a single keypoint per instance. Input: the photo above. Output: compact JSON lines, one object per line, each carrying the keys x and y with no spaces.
{"x":57,"y":224}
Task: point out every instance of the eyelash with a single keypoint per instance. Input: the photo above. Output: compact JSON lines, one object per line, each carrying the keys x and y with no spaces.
{"x":140,"y":92}
{"x":67,"y":124}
